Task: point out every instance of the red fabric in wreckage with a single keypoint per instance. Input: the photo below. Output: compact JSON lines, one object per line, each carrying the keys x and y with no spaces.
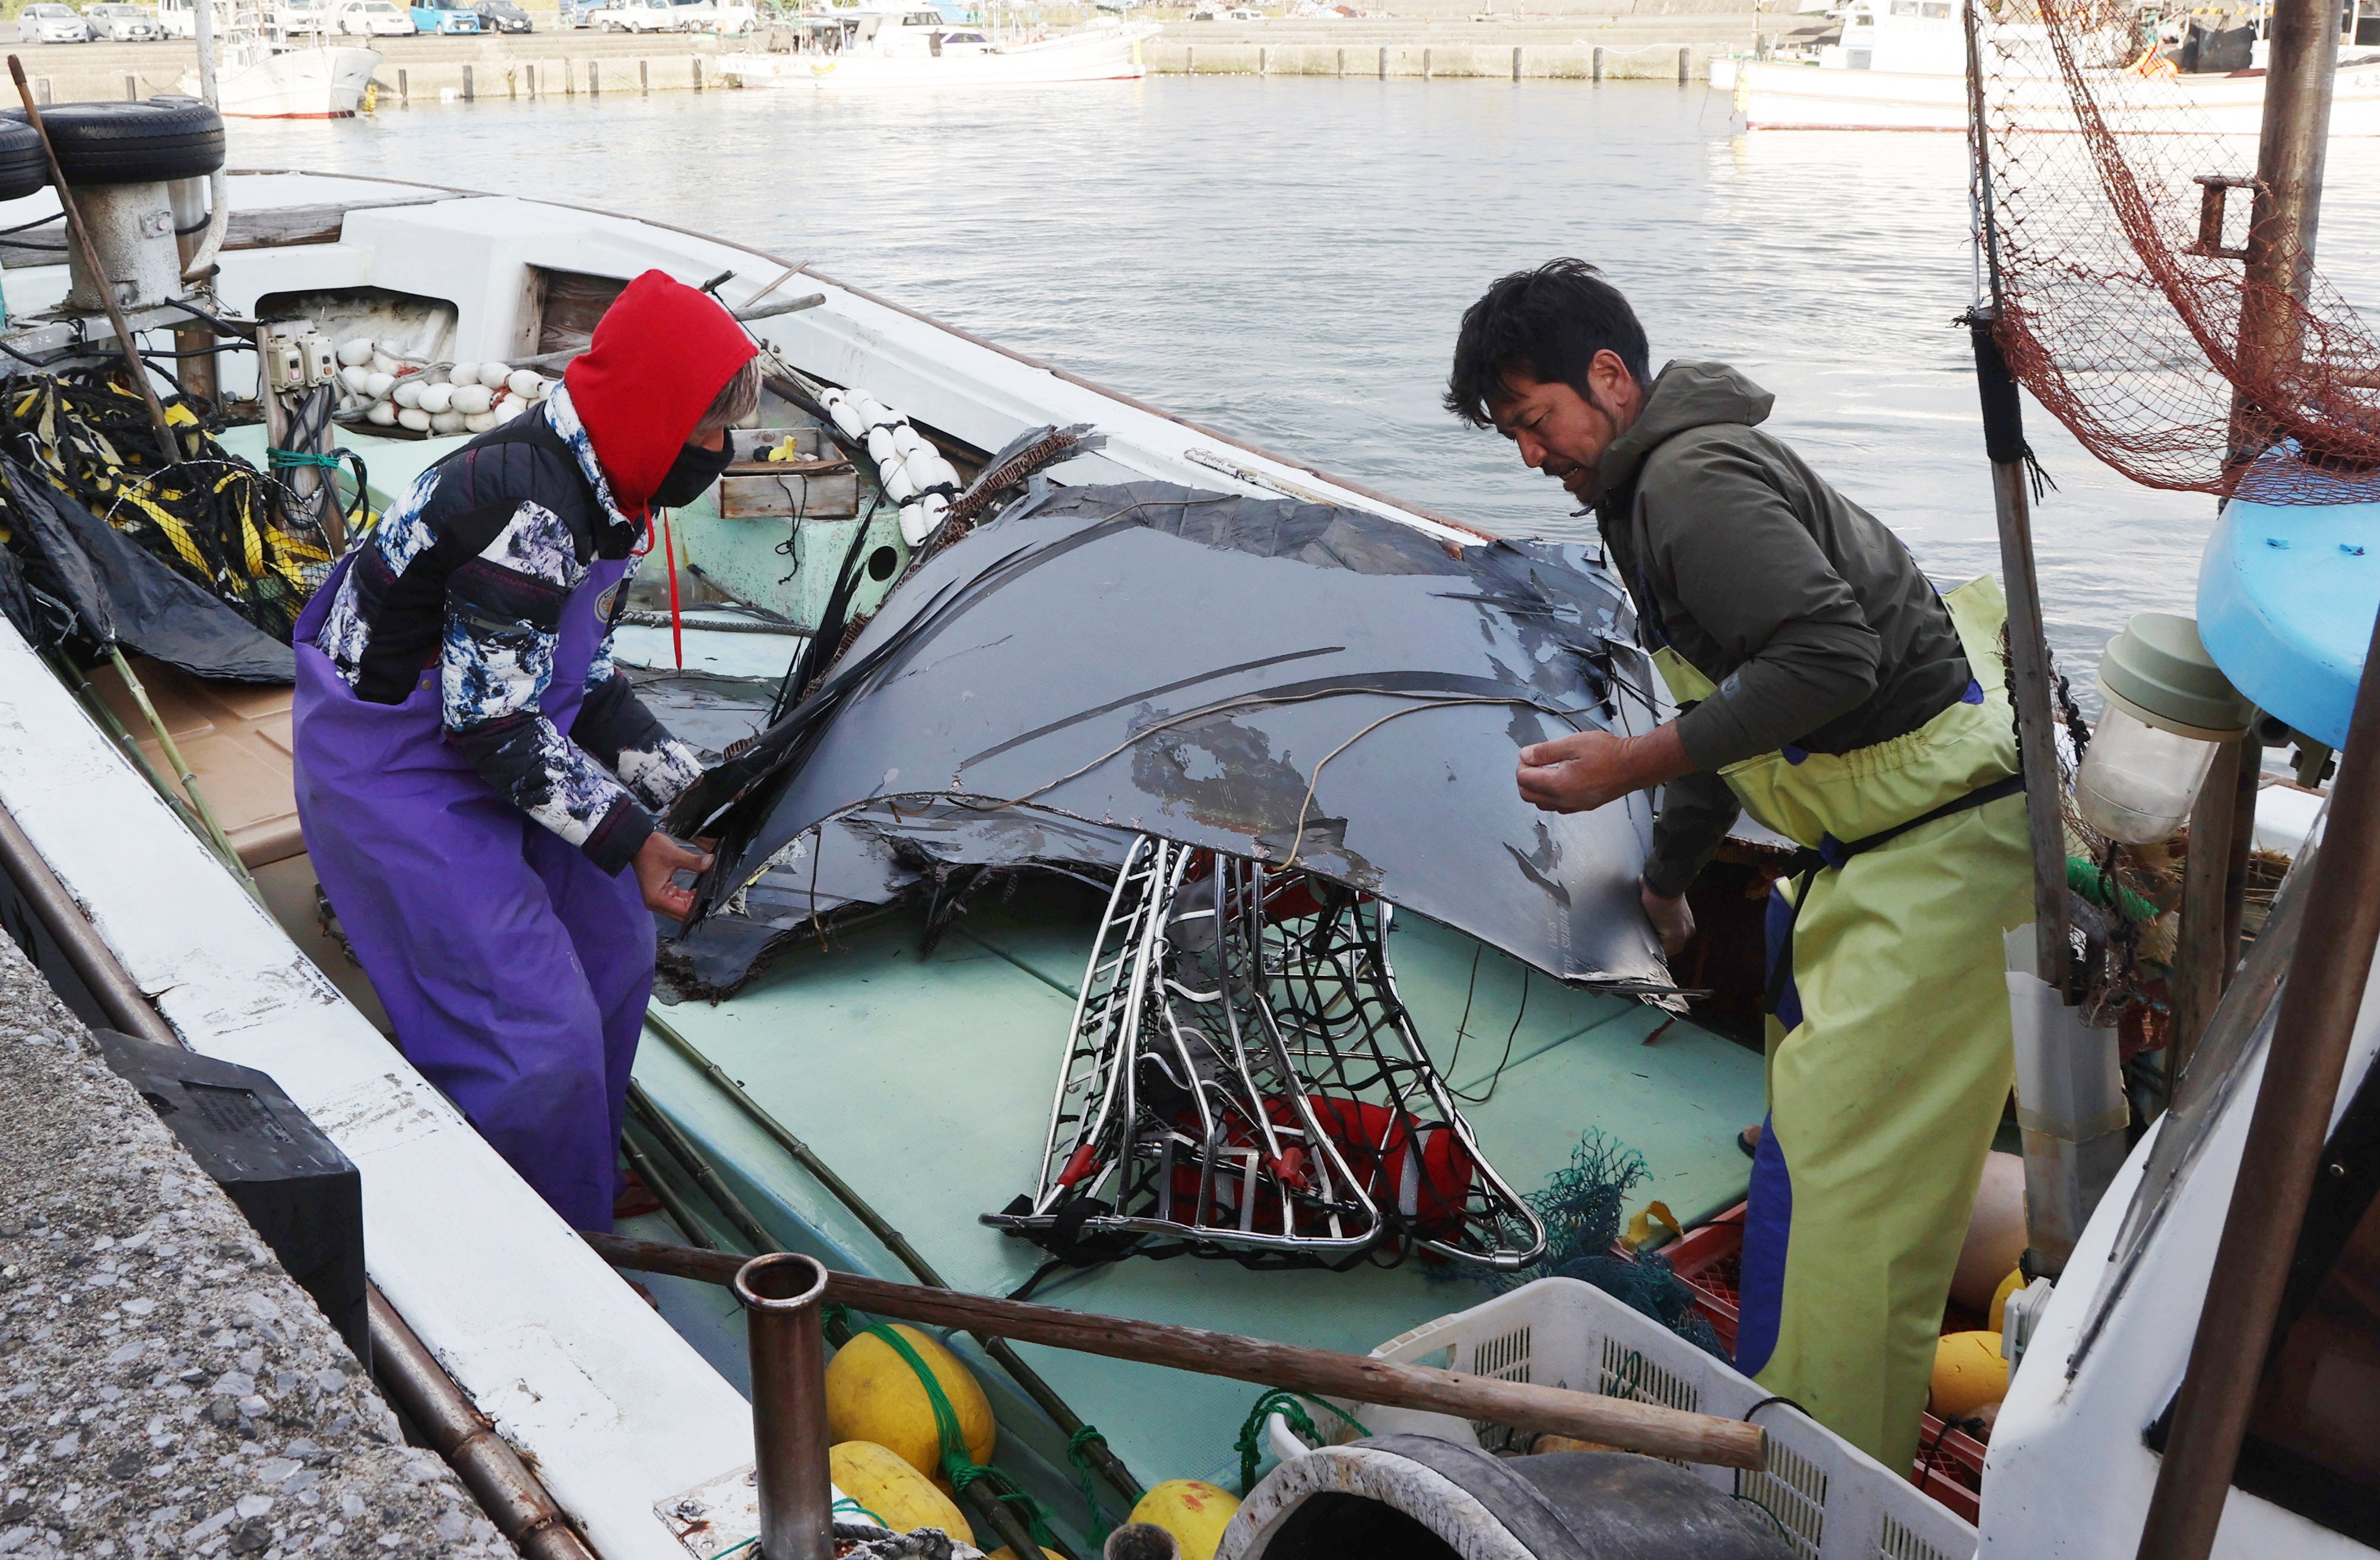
{"x":660,"y":354}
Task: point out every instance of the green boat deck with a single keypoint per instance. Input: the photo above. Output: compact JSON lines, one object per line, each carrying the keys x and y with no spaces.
{"x":926,"y":1083}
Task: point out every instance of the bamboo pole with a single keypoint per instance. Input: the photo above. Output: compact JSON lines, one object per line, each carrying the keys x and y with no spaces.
{"x":1610,"y":1422}
{"x":182,"y":772}
{"x":1044,"y":1395}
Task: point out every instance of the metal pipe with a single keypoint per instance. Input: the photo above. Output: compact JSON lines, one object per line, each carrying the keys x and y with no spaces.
{"x":2289,"y":154}
{"x":193,"y":219}
{"x":94,"y":962}
{"x":167,"y":445}
{"x":1621,"y":1423}
{"x":2029,"y":663}
{"x":202,"y":35}
{"x":2310,"y":1039}
{"x":781,"y":1293}
{"x":504,"y":1485}
{"x":1044,"y":1395}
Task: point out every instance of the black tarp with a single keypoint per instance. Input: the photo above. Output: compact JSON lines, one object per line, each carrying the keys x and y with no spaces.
{"x":120,"y":595}
{"x":1107,"y":660}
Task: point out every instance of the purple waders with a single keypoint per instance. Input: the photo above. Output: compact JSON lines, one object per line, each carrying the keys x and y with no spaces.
{"x":515,"y":972}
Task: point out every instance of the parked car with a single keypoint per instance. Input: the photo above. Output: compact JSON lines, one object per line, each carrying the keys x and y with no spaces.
{"x":445,"y":16}
{"x":178,"y":19}
{"x":502,"y":15}
{"x":375,"y":19}
{"x":297,"y":17}
{"x":639,"y":16}
{"x":121,"y":24}
{"x":51,"y":24}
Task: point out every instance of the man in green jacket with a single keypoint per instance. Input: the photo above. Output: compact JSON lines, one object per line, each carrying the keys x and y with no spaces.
{"x":1824,"y":684}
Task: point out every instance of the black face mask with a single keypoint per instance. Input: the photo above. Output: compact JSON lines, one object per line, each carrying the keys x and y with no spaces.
{"x":691,"y":475}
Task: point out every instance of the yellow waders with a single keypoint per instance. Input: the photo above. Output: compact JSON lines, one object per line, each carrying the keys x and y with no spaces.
{"x":1891,"y":1058}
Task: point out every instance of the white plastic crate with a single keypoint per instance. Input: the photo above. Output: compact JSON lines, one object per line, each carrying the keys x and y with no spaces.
{"x":1832,"y":1501}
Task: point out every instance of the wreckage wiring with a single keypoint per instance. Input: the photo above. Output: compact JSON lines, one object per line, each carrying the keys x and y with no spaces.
{"x":1425,"y":701}
{"x":1462,"y":1031}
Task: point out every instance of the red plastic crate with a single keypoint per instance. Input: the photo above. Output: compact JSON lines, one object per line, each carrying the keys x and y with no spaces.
{"x":1950,"y":1466}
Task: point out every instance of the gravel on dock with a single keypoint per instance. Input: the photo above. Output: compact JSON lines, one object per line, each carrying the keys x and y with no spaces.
{"x":165,"y":1388}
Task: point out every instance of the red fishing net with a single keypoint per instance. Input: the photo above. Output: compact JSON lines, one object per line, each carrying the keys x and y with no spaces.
{"x":2115,"y":189}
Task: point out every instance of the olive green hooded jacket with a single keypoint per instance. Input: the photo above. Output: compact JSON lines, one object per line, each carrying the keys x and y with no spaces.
{"x":1810,"y":616}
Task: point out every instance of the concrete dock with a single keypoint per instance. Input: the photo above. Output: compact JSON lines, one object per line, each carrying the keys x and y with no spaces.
{"x":1601,"y":40}
{"x":165,"y":1388}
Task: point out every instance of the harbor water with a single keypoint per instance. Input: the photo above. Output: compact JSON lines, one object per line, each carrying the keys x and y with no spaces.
{"x":1287,"y":259}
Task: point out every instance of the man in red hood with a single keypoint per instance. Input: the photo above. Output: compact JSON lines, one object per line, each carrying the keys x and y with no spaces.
{"x":477,"y":783}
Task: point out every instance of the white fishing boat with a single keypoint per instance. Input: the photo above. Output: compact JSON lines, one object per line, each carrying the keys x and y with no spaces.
{"x":1901,"y":66}
{"x":907,"y":49}
{"x":265,"y":73}
{"x":861,"y":1071}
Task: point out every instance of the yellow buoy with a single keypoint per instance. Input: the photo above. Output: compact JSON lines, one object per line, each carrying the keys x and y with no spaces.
{"x":2009,"y":1286}
{"x":1968,"y":1375}
{"x":872,"y":1395}
{"x":881,"y":1483}
{"x":1193,"y":1511}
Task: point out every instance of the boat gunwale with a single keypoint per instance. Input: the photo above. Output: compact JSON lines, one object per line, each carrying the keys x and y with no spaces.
{"x":453,"y":192}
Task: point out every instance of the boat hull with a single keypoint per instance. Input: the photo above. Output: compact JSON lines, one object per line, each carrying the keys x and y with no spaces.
{"x":1109,"y":57}
{"x":1800,"y":97}
{"x":326,"y":83}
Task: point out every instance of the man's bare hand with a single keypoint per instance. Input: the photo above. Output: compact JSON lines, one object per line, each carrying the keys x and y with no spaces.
{"x":1589,"y":769}
{"x":1673,"y":918}
{"x":656,"y":860}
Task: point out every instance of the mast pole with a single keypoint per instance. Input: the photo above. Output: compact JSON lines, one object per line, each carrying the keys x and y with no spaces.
{"x":2302,"y":61}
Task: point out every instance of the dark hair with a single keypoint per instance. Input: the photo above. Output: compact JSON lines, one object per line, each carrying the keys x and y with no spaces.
{"x":737,"y":400}
{"x":1548,"y":322}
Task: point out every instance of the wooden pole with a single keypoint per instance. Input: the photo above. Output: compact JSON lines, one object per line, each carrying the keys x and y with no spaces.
{"x":168,"y":446}
{"x":2312,"y":1037}
{"x":2210,"y":942}
{"x":1610,"y":1422}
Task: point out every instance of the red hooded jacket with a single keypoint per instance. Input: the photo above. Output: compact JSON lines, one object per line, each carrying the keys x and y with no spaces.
{"x":661,"y":356}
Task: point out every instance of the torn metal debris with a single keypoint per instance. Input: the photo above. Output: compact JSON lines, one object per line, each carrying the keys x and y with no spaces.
{"x":1241,"y":1075}
{"x":1298,"y":684}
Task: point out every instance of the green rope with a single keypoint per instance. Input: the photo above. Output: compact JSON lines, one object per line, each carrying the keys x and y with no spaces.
{"x":847,"y":1503}
{"x":283,"y":460}
{"x":1277,"y":1401}
{"x":1078,"y":1452}
{"x":958,"y":1465}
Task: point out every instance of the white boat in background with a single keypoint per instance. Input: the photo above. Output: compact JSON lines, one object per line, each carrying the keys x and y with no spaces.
{"x":1901,"y":66}
{"x":863,"y":50}
{"x":263,"y":73}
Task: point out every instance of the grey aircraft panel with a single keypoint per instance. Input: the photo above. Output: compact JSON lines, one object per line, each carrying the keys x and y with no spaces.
{"x":1108,"y":660}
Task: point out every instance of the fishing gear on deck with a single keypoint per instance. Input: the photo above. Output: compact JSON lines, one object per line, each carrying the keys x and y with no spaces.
{"x":212,"y":517}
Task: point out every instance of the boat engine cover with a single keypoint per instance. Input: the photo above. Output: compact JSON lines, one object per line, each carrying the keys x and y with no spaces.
{"x":1416,"y":1497}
